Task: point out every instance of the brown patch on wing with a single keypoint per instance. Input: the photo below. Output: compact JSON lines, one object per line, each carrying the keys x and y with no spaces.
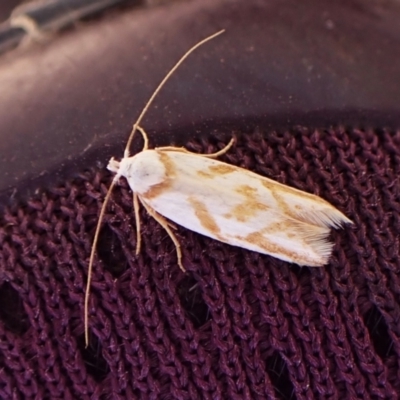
{"x":204,"y":174}
{"x":157,"y":189}
{"x":244,"y":211}
{"x":218,"y":169}
{"x":247,"y":191}
{"x":163,"y":186}
{"x":222,"y":169}
{"x":277,"y":190}
{"x":249,"y":208}
{"x":279,"y":187}
{"x":285,"y":225}
{"x":258,"y":239}
{"x":206,"y":219}
{"x":282,"y":205}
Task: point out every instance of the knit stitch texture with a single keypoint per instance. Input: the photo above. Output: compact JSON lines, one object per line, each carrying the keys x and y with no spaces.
{"x":237,"y":324}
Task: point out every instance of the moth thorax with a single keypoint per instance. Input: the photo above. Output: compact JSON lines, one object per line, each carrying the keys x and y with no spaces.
{"x":143,"y":170}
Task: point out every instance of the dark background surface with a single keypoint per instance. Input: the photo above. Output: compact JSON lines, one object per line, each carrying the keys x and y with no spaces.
{"x":68,"y":102}
{"x":6,"y":6}
{"x":237,"y":324}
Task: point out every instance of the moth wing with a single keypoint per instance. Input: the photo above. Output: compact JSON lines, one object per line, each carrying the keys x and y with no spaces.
{"x":239,"y":207}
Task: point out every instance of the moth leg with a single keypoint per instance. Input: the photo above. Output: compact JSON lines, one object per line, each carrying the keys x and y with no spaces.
{"x":171,"y":224}
{"x":212,"y":155}
{"x":163,"y":222}
{"x":137,"y":219}
{"x":145,"y":137}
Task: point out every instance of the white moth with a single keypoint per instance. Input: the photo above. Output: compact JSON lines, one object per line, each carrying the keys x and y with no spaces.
{"x":222,"y":201}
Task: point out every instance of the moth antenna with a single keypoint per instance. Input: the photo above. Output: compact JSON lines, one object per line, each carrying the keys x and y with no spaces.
{"x":92,"y":253}
{"x":135,"y":200}
{"x":145,"y":137}
{"x":159,"y":87}
{"x":137,"y":220}
{"x":211,"y":155}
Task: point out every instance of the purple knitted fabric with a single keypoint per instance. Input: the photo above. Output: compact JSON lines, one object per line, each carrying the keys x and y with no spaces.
{"x":237,"y":324}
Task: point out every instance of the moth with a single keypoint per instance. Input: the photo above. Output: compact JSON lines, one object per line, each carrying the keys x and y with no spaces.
{"x":221,"y":201}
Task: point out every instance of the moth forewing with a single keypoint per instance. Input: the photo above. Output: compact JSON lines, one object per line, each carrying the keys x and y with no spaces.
{"x":234,"y":205}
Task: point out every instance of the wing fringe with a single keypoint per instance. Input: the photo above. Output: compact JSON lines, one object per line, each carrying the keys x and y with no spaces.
{"x":316,"y":236}
{"x":328,"y":217}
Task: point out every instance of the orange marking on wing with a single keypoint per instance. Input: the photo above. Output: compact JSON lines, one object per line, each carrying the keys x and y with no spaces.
{"x":261,"y":241}
{"x":205,"y":174}
{"x":215,"y":170}
{"x":277,"y":190}
{"x":257,"y":237}
{"x":163,"y":186}
{"x":284,"y":226}
{"x":278,"y":187}
{"x":247,"y":191}
{"x":244,"y":211}
{"x":222,"y":169}
{"x":282,"y":205}
{"x":206,"y":219}
{"x":250,"y":206}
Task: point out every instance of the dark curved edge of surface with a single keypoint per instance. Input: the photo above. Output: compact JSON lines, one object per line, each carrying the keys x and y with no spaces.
{"x":50,"y":17}
{"x":68,"y":105}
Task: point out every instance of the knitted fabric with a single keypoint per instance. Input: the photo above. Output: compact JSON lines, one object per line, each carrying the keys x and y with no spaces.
{"x":237,"y":324}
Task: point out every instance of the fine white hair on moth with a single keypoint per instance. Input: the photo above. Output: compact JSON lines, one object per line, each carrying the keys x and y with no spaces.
{"x":221,"y":201}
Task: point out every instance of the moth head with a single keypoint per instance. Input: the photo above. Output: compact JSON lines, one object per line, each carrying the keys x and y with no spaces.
{"x":142,"y":171}
{"x":121,"y":168}
{"x":113,"y":165}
